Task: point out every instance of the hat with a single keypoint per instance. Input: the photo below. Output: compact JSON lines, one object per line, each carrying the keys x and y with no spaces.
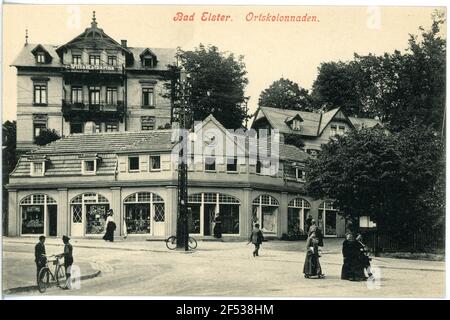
{"x":42,"y":238}
{"x":65,"y":238}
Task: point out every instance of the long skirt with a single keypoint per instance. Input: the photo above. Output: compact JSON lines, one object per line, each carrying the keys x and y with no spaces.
{"x":218,"y":230}
{"x":312,"y":266}
{"x":352,"y":270}
{"x":109,"y":235}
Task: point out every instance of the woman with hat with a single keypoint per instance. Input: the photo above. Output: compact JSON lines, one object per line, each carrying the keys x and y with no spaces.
{"x":110,"y":226}
{"x":312,"y":267}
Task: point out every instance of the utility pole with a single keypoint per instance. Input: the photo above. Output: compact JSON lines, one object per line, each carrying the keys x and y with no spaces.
{"x":184,"y":125}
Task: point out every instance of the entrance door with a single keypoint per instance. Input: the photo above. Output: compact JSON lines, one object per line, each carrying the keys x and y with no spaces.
{"x":208,"y":217}
{"x":330,"y":223}
{"x":77,"y":229}
{"x":52,"y":220}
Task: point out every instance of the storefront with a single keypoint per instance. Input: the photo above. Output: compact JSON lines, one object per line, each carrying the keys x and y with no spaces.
{"x":328,"y":218}
{"x":265,"y":212}
{"x":144,"y":214}
{"x":298,"y":211}
{"x":39,"y":215}
{"x":88,"y":214}
{"x":205,"y":206}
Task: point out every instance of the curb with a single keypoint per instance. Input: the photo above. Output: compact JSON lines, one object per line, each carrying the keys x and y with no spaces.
{"x":53,"y":284}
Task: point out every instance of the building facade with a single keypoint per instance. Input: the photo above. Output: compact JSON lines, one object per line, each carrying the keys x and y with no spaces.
{"x":91,"y":84}
{"x":67,"y":186}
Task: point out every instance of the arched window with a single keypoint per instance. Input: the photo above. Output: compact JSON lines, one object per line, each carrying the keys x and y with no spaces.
{"x":298,"y":211}
{"x":204,"y":208}
{"x":38,"y":212}
{"x":265,"y":213}
{"x":88,"y":213}
{"x":327,"y":219}
{"x":144,"y":213}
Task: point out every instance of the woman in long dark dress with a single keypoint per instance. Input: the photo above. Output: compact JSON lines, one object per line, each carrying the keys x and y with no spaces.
{"x":364,"y":258}
{"x":217,"y":226}
{"x":312,"y":267}
{"x":351,"y":269}
{"x":110,"y":227}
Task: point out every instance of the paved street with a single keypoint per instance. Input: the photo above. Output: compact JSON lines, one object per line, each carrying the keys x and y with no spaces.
{"x":147,"y":268}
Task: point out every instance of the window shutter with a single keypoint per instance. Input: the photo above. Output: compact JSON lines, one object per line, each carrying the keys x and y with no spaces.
{"x":122,"y":164}
{"x":143,"y":163}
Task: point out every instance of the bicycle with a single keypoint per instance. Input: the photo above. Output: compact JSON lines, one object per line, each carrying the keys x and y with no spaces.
{"x":44,"y":274}
{"x":171,"y":243}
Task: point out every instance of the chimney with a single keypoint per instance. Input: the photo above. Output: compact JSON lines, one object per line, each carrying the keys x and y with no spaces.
{"x":124,"y":43}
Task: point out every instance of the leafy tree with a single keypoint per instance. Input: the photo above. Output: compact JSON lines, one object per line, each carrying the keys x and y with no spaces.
{"x":285,"y":94}
{"x":402,"y":89}
{"x":46,"y":136}
{"x":216,"y":85}
{"x":389,"y":177}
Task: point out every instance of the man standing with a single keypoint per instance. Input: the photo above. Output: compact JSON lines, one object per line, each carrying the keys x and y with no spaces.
{"x":39,"y":255}
{"x":68,"y":261}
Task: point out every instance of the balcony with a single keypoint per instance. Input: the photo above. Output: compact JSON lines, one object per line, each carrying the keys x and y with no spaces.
{"x":79,"y":111}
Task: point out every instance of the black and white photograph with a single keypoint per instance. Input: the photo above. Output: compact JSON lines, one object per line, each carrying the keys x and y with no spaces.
{"x":223,"y":151}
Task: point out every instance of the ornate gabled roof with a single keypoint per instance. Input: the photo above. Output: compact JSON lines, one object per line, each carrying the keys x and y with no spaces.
{"x":93,"y":37}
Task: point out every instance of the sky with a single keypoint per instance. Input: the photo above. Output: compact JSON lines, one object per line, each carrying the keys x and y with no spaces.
{"x":271,"y":50}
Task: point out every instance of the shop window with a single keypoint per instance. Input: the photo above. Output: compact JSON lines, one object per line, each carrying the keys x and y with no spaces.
{"x":141,"y":209}
{"x":133,"y":163}
{"x":159,"y":212}
{"x":155,"y":163}
{"x":40,"y":94}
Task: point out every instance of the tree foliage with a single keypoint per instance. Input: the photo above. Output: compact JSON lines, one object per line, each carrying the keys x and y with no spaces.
{"x":46,"y":136}
{"x":285,"y":94}
{"x":390,"y":177}
{"x":402,"y":89}
{"x":217,"y":81}
{"x":9,"y":161}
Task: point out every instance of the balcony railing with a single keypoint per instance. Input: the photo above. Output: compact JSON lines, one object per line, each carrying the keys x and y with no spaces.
{"x":85,"y":111}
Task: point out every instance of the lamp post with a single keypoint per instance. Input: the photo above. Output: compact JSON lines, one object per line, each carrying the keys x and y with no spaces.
{"x":183,"y":118}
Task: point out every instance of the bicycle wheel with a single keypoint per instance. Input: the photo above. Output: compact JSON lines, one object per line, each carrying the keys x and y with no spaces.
{"x":171,"y":243}
{"x":192,"y":243}
{"x":43,"y":279}
{"x":60,"y":275}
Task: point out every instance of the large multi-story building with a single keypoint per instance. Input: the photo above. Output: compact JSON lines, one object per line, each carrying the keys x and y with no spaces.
{"x":91,"y":84}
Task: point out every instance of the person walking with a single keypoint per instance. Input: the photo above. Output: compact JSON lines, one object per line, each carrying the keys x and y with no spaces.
{"x":39,"y":255}
{"x":312,"y":267}
{"x":68,"y":261}
{"x":351,"y":269}
{"x":110,"y":226}
{"x":363,"y":257}
{"x":256,"y":237}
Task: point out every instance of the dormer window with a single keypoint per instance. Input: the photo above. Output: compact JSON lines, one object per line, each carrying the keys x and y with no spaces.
{"x":89,"y":164}
{"x":148,"y":58}
{"x":148,"y":62}
{"x":294,"y":122}
{"x":37,"y":168}
{"x":300,"y":174}
{"x":40,"y":57}
{"x":296,"y":125}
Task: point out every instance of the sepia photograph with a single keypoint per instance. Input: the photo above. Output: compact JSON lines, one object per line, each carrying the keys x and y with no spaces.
{"x":223,"y":151}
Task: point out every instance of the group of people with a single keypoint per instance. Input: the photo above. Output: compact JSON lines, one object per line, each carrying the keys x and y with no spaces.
{"x":355,"y":253}
{"x":40,"y":256}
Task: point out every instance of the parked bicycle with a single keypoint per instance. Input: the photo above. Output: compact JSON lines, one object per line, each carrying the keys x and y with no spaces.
{"x":171,"y":243}
{"x":45,"y":273}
